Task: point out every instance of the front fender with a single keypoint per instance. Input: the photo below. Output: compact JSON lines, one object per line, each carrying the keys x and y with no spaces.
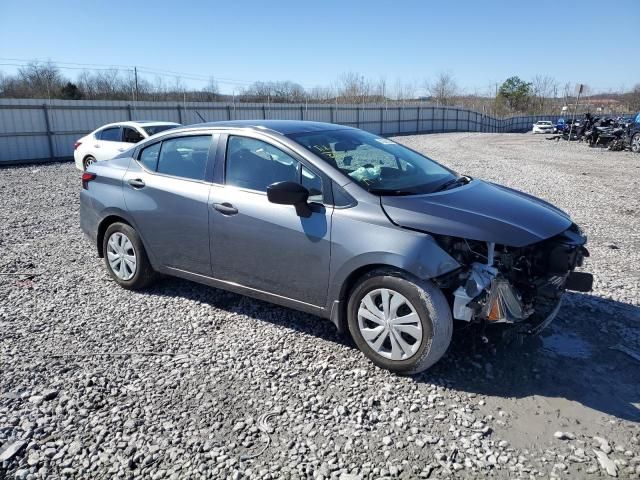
{"x":384,"y":245}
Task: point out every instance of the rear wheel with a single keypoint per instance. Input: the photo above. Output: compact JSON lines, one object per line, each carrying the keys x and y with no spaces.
{"x":635,"y":143}
{"x":126,"y":258}
{"x":400,"y":323}
{"x":88,"y":160}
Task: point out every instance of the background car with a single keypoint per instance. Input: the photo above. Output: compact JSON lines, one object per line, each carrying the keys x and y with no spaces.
{"x":543,"y":126}
{"x":337,"y":222}
{"x":110,"y":140}
{"x":634,"y":134}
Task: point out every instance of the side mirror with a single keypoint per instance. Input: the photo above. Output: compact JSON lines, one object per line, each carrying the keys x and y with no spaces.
{"x":290,"y":193}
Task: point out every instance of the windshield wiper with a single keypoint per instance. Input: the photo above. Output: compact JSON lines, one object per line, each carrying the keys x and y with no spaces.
{"x":390,"y":192}
{"x":464,"y":179}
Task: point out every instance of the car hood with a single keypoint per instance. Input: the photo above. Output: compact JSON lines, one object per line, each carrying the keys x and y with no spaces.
{"x":479,"y":211}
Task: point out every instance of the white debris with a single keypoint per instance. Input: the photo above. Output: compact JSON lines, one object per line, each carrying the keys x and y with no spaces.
{"x":606,"y":463}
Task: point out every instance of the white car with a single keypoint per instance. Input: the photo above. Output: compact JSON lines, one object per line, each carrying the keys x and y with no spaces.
{"x":543,"y":126}
{"x":110,"y":140}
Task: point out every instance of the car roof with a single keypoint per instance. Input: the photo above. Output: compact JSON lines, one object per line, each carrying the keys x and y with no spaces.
{"x":283,"y":127}
{"x":138,"y":123}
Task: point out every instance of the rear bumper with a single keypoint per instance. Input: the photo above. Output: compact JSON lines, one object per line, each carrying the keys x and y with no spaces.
{"x":89,"y":220}
{"x":77,"y":158}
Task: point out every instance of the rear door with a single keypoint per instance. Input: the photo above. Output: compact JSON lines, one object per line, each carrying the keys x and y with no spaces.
{"x":107,"y":143}
{"x":261,"y":245}
{"x":166,"y":191}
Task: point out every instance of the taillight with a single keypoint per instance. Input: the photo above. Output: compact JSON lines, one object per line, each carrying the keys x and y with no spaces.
{"x":86,"y":178}
{"x":76,"y":145}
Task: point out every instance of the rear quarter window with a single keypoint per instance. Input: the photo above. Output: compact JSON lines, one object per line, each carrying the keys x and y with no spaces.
{"x":149,"y":156}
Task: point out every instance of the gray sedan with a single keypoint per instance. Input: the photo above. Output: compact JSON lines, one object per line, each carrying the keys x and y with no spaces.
{"x":331,"y":220}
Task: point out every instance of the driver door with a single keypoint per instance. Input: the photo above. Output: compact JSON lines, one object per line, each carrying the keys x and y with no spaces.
{"x":260,"y":245}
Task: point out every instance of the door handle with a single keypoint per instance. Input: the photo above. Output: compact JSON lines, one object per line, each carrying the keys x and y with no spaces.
{"x":121,"y":149}
{"x":225,"y":208}
{"x":96,"y":146}
{"x":136,"y":183}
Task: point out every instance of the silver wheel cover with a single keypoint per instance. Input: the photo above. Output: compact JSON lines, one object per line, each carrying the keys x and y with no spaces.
{"x":389,"y":324}
{"x":121,"y":256}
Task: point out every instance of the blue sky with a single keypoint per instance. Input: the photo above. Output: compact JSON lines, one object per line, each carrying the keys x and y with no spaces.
{"x":312,"y":43}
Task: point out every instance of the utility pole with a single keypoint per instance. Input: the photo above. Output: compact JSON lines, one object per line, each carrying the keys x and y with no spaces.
{"x":135,"y":74}
{"x":575,"y":110}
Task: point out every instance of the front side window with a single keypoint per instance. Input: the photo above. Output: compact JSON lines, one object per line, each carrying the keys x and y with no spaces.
{"x":184,"y":156}
{"x":254,"y":164}
{"x":110,"y":134}
{"x":379,"y":165}
{"x":131,"y":135}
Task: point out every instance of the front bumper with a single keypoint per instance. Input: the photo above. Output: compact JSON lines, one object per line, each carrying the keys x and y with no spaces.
{"x":535,"y":326}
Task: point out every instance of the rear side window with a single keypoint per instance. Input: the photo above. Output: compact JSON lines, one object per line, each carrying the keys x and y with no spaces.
{"x":149,"y":157}
{"x":184,"y":156}
{"x":110,"y":134}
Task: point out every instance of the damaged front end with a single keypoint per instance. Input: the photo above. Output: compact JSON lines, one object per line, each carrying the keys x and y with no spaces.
{"x":498,"y":284}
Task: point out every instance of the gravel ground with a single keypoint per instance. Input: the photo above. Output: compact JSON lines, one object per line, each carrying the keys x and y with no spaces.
{"x":240,"y":388}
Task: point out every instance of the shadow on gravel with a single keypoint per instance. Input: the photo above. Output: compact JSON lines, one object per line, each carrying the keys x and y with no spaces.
{"x":572,"y":359}
{"x":243,"y":305}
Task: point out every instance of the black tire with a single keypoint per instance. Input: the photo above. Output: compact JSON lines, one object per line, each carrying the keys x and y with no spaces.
{"x":429,"y":303}
{"x":635,"y":143}
{"x":88,"y":160}
{"x":144,"y":274}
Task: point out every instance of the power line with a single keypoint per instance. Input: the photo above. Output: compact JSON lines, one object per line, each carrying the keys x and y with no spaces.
{"x":149,"y":70}
{"x":110,"y":67}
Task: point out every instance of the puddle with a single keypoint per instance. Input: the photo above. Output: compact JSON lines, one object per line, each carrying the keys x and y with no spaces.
{"x":567,"y":345}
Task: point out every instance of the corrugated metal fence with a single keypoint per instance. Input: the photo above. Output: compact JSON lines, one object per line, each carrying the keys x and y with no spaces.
{"x":42,"y":130}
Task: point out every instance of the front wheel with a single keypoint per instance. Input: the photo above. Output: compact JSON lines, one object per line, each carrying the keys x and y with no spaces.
{"x":635,"y":143}
{"x":401,"y":323}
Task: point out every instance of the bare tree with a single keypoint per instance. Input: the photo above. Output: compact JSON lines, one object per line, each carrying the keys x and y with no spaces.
{"x":277,"y":92}
{"x":321,"y":94}
{"x":35,"y":80}
{"x":443,"y":89}
{"x":632,"y":99}
{"x":380,"y":90}
{"x":404,"y":90}
{"x":211,"y":90}
{"x":543,"y":88}
{"x":353,"y":88}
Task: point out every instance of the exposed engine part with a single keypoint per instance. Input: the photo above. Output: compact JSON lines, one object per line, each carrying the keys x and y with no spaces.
{"x":480,"y":277}
{"x":460,"y":301}
{"x":502,"y":284}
